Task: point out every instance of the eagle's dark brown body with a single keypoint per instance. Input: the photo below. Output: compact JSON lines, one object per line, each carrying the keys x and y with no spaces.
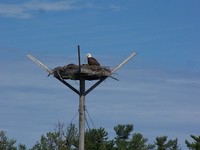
{"x":92,"y":61}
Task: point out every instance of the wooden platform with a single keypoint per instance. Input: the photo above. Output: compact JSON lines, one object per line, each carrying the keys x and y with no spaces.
{"x":71,"y":71}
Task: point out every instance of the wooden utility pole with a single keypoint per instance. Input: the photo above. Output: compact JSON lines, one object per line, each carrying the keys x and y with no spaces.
{"x":82,"y":115}
{"x":82,"y":92}
{"x":81,"y":105}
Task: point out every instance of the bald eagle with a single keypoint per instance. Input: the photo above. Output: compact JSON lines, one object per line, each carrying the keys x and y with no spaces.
{"x":92,"y":61}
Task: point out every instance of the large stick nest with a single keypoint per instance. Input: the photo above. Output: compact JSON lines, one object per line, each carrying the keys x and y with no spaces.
{"x":71,"y":71}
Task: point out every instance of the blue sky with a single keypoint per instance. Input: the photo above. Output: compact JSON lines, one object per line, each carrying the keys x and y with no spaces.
{"x":158,"y":90}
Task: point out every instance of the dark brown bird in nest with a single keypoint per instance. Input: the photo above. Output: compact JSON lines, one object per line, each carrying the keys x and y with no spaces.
{"x":92,"y":61}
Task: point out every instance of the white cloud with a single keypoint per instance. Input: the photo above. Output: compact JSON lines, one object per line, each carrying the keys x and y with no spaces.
{"x":115,"y":7}
{"x":25,"y":10}
{"x":186,"y":82}
{"x":49,"y":6}
{"x":13,"y":10}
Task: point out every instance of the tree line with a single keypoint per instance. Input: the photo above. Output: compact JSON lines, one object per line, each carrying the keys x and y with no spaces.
{"x":97,"y":139}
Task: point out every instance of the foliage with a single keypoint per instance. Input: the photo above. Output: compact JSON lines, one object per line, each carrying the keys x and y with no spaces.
{"x":194,"y":145}
{"x":138,"y":142}
{"x":163,"y":144}
{"x":5,"y":143}
{"x":21,"y":147}
{"x":9,"y":144}
{"x":97,"y":139}
{"x":123,"y":132}
{"x":59,"y":139}
{"x":123,"y":141}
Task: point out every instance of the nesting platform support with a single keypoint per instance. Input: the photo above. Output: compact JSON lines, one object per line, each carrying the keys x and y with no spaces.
{"x":81,"y":73}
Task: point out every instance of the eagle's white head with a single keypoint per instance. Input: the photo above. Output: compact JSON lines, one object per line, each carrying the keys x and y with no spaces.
{"x":89,"y":55}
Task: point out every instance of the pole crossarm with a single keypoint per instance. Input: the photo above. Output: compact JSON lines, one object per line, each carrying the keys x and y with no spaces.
{"x":123,"y":63}
{"x":40,"y":64}
{"x":68,"y":85}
